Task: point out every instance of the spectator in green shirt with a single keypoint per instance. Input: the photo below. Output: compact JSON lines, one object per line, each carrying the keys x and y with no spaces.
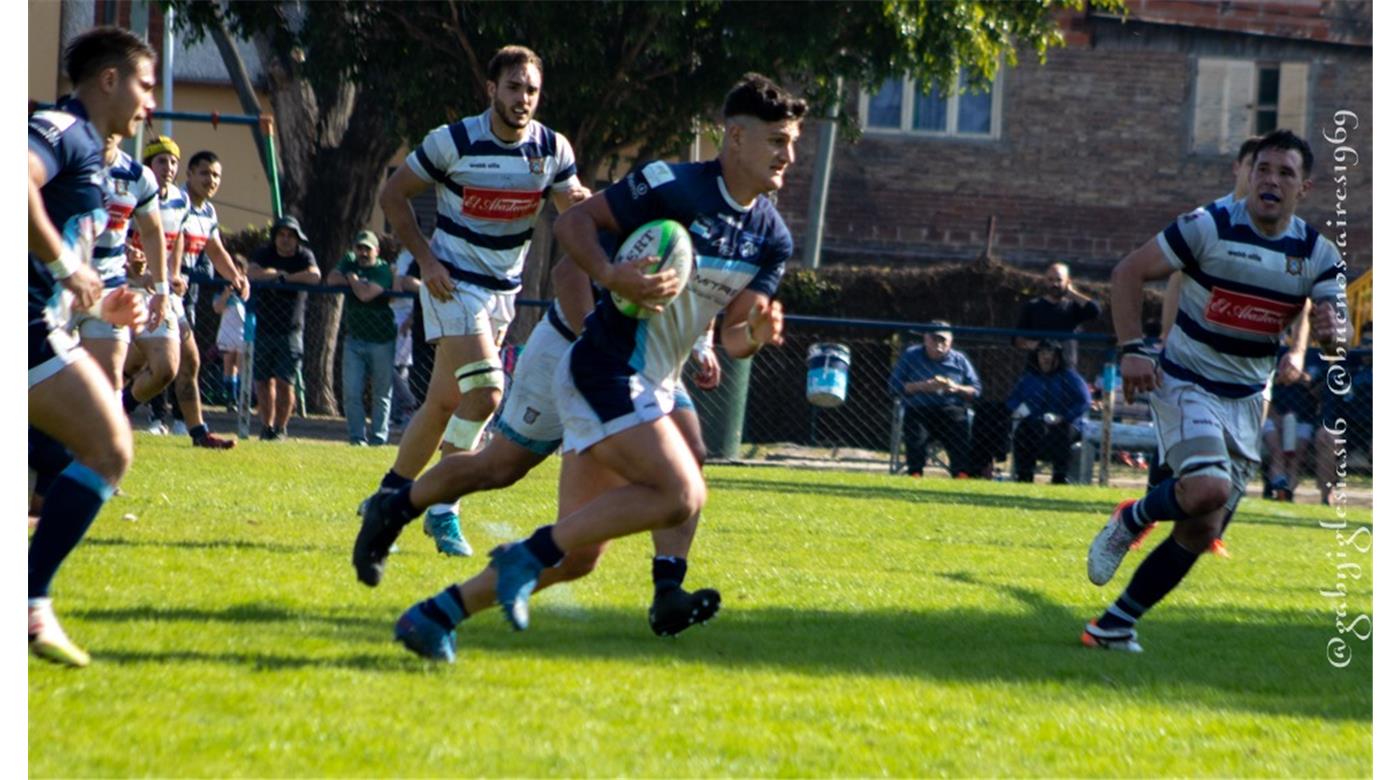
{"x":369,"y":338}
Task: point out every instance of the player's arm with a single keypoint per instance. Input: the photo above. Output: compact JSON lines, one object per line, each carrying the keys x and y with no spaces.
{"x":153,"y":235}
{"x":1171,"y":302}
{"x":574,"y":292}
{"x":1329,"y":319}
{"x":1290,"y":364}
{"x":225,"y":266}
{"x":707,"y":372}
{"x":71,"y":271}
{"x":178,"y":283}
{"x":1144,"y":264}
{"x":751,"y":321}
{"x":567,"y":197}
{"x":396,"y":201}
{"x":577,"y":232}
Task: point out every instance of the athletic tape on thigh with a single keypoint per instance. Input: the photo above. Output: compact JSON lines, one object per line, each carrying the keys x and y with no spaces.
{"x":482,"y":373}
{"x":463,"y":434}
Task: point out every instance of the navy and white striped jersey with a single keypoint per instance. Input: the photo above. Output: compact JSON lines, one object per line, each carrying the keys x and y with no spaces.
{"x":173,"y":207}
{"x":200,"y":225}
{"x":490,"y":193}
{"x":1241,"y":291}
{"x":134,"y":191}
{"x":736,"y":248}
{"x":74,"y":191}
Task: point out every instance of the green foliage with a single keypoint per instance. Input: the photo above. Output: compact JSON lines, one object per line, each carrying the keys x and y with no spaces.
{"x":645,"y":74}
{"x":872,"y":626}
{"x":805,"y":291}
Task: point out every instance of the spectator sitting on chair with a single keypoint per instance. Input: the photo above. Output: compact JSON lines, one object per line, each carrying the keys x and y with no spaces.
{"x":281,"y":317}
{"x":1062,"y":308}
{"x":935,"y":383}
{"x":1050,"y":400}
{"x":369,"y":339}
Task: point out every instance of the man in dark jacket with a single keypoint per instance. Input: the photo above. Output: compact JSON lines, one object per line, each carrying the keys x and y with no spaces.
{"x":1050,"y":399}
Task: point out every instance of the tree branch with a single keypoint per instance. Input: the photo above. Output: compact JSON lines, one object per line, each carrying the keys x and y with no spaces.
{"x":238,"y":74}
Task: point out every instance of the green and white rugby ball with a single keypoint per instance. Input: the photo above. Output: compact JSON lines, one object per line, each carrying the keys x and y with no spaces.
{"x":665,"y":239}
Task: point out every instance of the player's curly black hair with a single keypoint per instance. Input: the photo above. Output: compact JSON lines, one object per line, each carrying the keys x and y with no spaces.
{"x":757,"y":96}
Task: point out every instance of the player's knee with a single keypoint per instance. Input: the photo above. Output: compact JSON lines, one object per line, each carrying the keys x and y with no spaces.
{"x":688,"y":497}
{"x":478,"y":404}
{"x":110,"y":458}
{"x":479,"y":385}
{"x":163,"y":372}
{"x":1203,"y":495}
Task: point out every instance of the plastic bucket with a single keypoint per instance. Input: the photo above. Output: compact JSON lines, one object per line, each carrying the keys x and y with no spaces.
{"x":828,"y":370}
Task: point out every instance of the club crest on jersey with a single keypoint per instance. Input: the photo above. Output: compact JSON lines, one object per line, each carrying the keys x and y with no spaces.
{"x":536,"y":165}
{"x":1294,"y":266}
{"x":747,"y":249}
{"x":531,"y":414}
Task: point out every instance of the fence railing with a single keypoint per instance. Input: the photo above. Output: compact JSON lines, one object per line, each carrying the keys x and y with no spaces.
{"x":763,"y":409}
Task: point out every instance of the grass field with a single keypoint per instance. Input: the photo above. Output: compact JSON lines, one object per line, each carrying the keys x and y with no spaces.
{"x":871,"y":626}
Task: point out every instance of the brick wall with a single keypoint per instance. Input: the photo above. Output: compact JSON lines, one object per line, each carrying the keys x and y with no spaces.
{"x":1093,"y":159}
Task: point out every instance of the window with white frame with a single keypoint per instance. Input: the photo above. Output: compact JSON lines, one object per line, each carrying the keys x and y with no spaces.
{"x":901,"y":105}
{"x":1239,"y":98}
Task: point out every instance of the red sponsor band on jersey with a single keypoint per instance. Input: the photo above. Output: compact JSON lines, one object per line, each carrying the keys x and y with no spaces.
{"x":169,"y":240}
{"x":1249,"y":313}
{"x":117,"y":215}
{"x":500,"y":205}
{"x":195,"y":244}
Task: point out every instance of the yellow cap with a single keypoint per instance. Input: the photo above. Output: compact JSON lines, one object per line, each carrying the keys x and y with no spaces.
{"x":163,"y":144}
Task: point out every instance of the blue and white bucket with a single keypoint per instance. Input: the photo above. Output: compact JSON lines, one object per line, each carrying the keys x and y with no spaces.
{"x":828,"y":369}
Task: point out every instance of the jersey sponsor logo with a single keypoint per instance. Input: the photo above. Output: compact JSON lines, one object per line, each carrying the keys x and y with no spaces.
{"x":658,"y":173}
{"x":499,"y":205}
{"x":118,"y":212}
{"x":194,"y":244}
{"x":1249,"y":313}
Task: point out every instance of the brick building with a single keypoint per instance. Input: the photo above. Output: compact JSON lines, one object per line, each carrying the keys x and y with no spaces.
{"x":1084,"y":158}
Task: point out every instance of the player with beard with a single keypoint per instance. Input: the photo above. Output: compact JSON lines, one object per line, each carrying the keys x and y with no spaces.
{"x":491,"y":173}
{"x":1249,"y":268}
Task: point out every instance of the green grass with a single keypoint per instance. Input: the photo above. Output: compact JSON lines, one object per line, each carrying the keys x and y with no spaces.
{"x":871,"y":626}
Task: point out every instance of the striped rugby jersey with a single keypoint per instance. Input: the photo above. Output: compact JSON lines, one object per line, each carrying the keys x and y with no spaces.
{"x":736,"y":249}
{"x":173,"y":208}
{"x":134,"y":191}
{"x":490,"y":193}
{"x":199,"y":226}
{"x":1240,"y":292}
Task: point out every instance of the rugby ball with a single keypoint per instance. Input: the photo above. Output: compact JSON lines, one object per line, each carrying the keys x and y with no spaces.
{"x":665,"y":239}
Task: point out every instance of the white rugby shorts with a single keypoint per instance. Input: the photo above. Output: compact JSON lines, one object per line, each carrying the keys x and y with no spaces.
{"x":471,"y":311}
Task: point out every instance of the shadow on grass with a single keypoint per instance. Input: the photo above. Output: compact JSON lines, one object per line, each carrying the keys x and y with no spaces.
{"x":362,"y":626}
{"x":210,"y":544}
{"x":936,"y":495}
{"x":1263,"y":662}
{"x":1250,"y":660}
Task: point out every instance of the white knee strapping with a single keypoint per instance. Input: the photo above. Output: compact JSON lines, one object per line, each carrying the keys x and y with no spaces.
{"x":482,"y":373}
{"x":463,"y":434}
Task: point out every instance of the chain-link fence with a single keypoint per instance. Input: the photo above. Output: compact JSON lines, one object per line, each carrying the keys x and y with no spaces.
{"x":826,"y":397}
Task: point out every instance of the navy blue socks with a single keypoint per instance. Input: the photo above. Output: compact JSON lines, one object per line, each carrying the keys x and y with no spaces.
{"x":667,"y":573}
{"x":541,"y":545}
{"x":76,"y":497}
{"x":1160,"y":572}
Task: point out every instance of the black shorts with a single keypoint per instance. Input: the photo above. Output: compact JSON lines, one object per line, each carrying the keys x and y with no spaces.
{"x":273,"y":358}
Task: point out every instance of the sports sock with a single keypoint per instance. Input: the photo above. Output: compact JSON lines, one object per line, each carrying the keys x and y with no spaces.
{"x":400,"y":506}
{"x":1160,"y":572}
{"x":446,"y":608}
{"x":667,"y":573}
{"x":392,"y":481}
{"x":48,"y":458}
{"x":72,"y":504}
{"x":198,"y":432}
{"x":541,"y":545}
{"x":129,"y":402}
{"x":1159,"y":504}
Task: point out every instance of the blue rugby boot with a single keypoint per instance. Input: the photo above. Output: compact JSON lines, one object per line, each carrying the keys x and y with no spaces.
{"x":424,"y":630}
{"x":517,"y":573}
{"x":443,"y":526}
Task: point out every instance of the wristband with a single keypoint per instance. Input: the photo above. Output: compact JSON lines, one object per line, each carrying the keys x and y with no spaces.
{"x":1137,"y":348}
{"x":63,"y":266}
{"x":161,"y":288}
